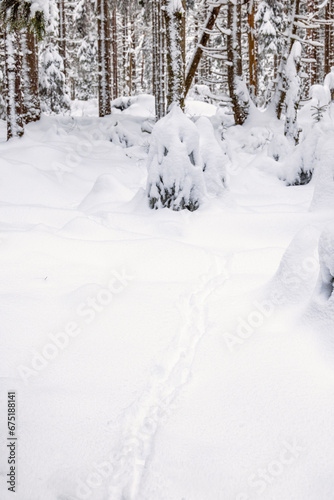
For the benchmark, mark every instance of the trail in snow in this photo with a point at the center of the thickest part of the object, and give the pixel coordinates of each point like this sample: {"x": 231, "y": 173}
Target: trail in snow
{"x": 169, "y": 377}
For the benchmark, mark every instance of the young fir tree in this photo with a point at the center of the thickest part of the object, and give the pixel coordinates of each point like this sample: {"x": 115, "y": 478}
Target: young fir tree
{"x": 53, "y": 90}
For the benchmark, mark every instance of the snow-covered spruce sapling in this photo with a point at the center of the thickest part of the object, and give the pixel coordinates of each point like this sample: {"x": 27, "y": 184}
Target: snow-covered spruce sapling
{"x": 175, "y": 175}
{"x": 321, "y": 97}
{"x": 318, "y": 112}
{"x": 53, "y": 90}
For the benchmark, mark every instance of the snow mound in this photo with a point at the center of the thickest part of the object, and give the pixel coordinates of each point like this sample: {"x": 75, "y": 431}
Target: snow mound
{"x": 257, "y": 138}
{"x": 298, "y": 270}
{"x": 323, "y": 197}
{"x": 175, "y": 176}
{"x": 279, "y": 147}
{"x": 106, "y": 190}
{"x": 214, "y": 160}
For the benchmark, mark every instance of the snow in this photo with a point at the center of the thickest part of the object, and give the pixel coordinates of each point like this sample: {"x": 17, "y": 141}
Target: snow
{"x": 160, "y": 354}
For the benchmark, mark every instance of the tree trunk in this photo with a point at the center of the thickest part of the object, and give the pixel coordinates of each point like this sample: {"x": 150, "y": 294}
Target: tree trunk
{"x": 62, "y": 33}
{"x": 203, "y": 40}
{"x": 252, "y": 50}
{"x": 125, "y": 52}
{"x": 31, "y": 99}
{"x": 237, "y": 89}
{"x": 133, "y": 68}
{"x": 114, "y": 53}
{"x": 158, "y": 37}
{"x": 175, "y": 43}
{"x": 104, "y": 60}
{"x": 282, "y": 80}
{"x": 15, "y": 126}
{"x": 328, "y": 41}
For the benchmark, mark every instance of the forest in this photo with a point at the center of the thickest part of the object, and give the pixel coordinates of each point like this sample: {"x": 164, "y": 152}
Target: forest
{"x": 167, "y": 249}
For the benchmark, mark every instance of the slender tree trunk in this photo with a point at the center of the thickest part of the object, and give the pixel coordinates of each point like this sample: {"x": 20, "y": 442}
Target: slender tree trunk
{"x": 31, "y": 99}
{"x": 293, "y": 11}
{"x": 203, "y": 40}
{"x": 311, "y": 50}
{"x": 15, "y": 125}
{"x": 158, "y": 38}
{"x": 174, "y": 19}
{"x": 133, "y": 68}
{"x": 125, "y": 52}
{"x": 114, "y": 53}
{"x": 328, "y": 38}
{"x": 252, "y": 50}
{"x": 237, "y": 89}
{"x": 104, "y": 59}
{"x": 62, "y": 33}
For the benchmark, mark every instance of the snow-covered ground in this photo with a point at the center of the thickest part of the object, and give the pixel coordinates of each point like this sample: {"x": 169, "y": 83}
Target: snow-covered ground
{"x": 162, "y": 355}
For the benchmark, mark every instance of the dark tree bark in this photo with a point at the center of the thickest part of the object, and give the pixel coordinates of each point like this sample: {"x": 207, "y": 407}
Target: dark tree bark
{"x": 159, "y": 66}
{"x": 104, "y": 59}
{"x": 31, "y": 100}
{"x": 114, "y": 53}
{"x": 237, "y": 90}
{"x": 252, "y": 50}
{"x": 203, "y": 41}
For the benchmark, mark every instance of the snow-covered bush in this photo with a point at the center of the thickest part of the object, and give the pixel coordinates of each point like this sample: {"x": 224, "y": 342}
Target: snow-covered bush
{"x": 300, "y": 162}
{"x": 175, "y": 175}
{"x": 214, "y": 160}
{"x": 200, "y": 93}
{"x": 53, "y": 90}
{"x": 329, "y": 82}
{"x": 279, "y": 147}
{"x": 326, "y": 260}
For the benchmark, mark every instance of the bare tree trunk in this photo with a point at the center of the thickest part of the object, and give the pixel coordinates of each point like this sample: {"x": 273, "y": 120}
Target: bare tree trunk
{"x": 203, "y": 40}
{"x": 15, "y": 126}
{"x": 328, "y": 41}
{"x": 282, "y": 89}
{"x": 62, "y": 33}
{"x": 114, "y": 53}
{"x": 174, "y": 19}
{"x": 104, "y": 59}
{"x": 158, "y": 37}
{"x": 133, "y": 68}
{"x": 311, "y": 51}
{"x": 252, "y": 50}
{"x": 31, "y": 99}
{"x": 125, "y": 51}
{"x": 237, "y": 89}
